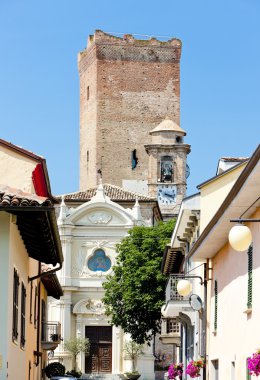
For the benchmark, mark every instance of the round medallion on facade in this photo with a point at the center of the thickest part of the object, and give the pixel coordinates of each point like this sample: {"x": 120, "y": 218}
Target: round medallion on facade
{"x": 99, "y": 261}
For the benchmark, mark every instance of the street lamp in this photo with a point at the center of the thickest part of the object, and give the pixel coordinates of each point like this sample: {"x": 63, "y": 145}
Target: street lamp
{"x": 184, "y": 287}
{"x": 240, "y": 236}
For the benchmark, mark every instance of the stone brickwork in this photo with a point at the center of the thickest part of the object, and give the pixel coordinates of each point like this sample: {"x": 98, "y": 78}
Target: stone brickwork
{"x": 127, "y": 87}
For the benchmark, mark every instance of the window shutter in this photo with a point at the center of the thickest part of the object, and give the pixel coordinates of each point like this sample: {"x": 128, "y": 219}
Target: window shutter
{"x": 216, "y": 305}
{"x": 250, "y": 277}
{"x": 23, "y": 308}
{"x": 15, "y": 304}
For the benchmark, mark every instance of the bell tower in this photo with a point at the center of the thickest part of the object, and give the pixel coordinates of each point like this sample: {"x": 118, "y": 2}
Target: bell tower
{"x": 168, "y": 169}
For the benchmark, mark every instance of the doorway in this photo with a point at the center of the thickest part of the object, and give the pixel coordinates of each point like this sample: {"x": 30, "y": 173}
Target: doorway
{"x": 99, "y": 359}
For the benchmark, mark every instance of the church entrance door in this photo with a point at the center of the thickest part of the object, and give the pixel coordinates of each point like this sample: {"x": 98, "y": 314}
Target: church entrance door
{"x": 99, "y": 359}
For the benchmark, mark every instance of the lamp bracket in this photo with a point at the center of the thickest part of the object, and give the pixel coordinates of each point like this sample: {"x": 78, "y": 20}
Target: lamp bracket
{"x": 184, "y": 277}
{"x": 244, "y": 220}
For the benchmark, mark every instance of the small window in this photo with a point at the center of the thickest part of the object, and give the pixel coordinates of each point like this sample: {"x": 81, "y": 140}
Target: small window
{"x": 134, "y": 159}
{"x": 216, "y": 305}
{"x": 249, "y": 276}
{"x": 44, "y": 337}
{"x": 178, "y": 139}
{"x": 35, "y": 306}
{"x": 23, "y": 308}
{"x": 15, "y": 304}
{"x": 31, "y": 302}
{"x": 233, "y": 371}
{"x": 215, "y": 370}
{"x": 88, "y": 93}
{"x": 87, "y": 156}
{"x": 29, "y": 370}
{"x": 172, "y": 326}
{"x": 248, "y": 376}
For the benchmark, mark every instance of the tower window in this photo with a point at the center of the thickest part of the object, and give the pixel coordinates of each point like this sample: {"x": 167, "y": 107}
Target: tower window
{"x": 87, "y": 155}
{"x": 88, "y": 93}
{"x": 178, "y": 139}
{"x": 134, "y": 159}
{"x": 166, "y": 168}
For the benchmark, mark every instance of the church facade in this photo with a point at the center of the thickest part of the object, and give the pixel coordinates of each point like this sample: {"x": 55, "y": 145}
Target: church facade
{"x": 90, "y": 228}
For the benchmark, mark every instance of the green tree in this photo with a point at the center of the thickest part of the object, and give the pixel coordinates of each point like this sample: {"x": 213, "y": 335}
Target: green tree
{"x": 135, "y": 292}
{"x": 75, "y": 346}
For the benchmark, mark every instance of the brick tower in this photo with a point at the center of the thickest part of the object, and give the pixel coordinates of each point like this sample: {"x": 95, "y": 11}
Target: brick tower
{"x": 127, "y": 87}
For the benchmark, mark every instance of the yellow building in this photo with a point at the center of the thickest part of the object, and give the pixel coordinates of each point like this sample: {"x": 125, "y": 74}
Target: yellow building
{"x": 28, "y": 238}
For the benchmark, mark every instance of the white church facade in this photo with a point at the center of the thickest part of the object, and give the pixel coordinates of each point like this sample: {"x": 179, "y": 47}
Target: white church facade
{"x": 90, "y": 228}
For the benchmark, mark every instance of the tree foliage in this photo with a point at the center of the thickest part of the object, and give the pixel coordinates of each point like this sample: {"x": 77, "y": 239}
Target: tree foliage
{"x": 135, "y": 292}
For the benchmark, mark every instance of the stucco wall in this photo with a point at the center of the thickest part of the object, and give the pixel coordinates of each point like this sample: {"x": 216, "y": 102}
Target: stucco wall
{"x": 214, "y": 193}
{"x": 16, "y": 170}
{"x": 18, "y": 258}
{"x": 238, "y": 330}
{"x": 4, "y": 282}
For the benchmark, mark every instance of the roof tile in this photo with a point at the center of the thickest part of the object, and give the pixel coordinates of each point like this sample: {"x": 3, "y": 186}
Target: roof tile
{"x": 115, "y": 193}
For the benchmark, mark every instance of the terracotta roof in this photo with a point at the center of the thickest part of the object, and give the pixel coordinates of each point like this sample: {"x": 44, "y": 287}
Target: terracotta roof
{"x": 10, "y": 197}
{"x": 115, "y": 193}
{"x": 51, "y": 282}
{"x": 36, "y": 222}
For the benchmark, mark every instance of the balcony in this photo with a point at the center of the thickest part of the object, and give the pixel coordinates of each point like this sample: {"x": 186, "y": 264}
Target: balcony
{"x": 175, "y": 304}
{"x": 170, "y": 331}
{"x": 51, "y": 337}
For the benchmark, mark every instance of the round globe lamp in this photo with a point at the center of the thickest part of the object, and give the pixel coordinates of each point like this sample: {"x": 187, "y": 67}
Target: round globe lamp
{"x": 240, "y": 237}
{"x": 184, "y": 288}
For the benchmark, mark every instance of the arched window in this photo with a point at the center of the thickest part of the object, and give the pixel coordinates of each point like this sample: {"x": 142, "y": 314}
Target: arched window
{"x": 166, "y": 169}
{"x": 99, "y": 261}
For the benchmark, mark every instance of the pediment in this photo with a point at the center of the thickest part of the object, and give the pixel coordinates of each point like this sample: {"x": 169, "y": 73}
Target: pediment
{"x": 100, "y": 215}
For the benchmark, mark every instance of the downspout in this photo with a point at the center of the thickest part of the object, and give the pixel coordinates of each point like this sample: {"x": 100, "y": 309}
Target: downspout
{"x": 39, "y": 318}
{"x": 204, "y": 325}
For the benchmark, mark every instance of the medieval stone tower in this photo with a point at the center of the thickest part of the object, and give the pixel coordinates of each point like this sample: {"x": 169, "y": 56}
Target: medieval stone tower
{"x": 127, "y": 88}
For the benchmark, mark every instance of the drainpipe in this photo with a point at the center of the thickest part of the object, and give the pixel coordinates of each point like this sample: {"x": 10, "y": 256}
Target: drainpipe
{"x": 37, "y": 352}
{"x": 204, "y": 324}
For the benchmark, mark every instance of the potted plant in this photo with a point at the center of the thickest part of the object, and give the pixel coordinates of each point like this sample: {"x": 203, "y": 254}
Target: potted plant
{"x": 54, "y": 369}
{"x": 75, "y": 346}
{"x": 194, "y": 367}
{"x": 175, "y": 369}
{"x": 132, "y": 350}
{"x": 253, "y": 363}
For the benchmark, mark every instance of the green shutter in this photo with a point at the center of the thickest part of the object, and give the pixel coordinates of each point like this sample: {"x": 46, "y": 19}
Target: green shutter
{"x": 248, "y": 376}
{"x": 250, "y": 277}
{"x": 216, "y": 306}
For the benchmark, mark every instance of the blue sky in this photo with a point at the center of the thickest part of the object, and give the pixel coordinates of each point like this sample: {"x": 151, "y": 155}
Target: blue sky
{"x": 220, "y": 75}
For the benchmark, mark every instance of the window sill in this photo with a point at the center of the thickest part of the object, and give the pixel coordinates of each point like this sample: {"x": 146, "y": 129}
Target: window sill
{"x": 248, "y": 311}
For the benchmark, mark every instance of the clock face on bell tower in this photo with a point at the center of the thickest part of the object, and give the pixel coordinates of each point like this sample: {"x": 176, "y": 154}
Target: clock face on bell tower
{"x": 167, "y": 194}
{"x": 168, "y": 169}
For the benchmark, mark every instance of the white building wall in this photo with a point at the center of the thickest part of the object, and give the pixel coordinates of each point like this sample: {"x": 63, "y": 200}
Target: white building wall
{"x": 98, "y": 224}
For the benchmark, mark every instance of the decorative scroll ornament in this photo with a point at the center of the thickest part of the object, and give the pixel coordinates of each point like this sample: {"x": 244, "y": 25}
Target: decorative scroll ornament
{"x": 100, "y": 218}
{"x": 94, "y": 307}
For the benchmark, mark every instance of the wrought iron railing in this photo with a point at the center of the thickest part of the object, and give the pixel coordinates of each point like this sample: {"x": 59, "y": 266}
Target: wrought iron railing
{"x": 51, "y": 332}
{"x": 171, "y": 290}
